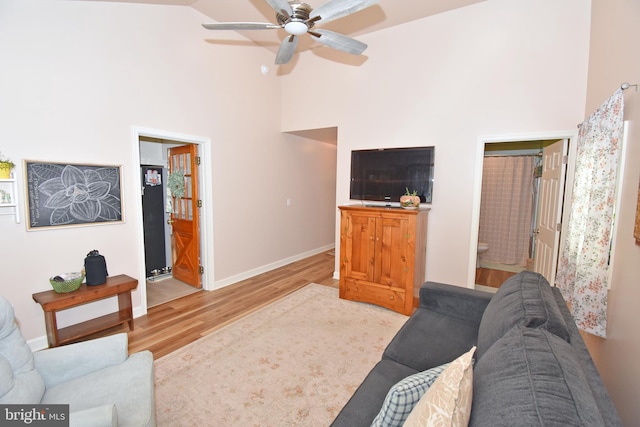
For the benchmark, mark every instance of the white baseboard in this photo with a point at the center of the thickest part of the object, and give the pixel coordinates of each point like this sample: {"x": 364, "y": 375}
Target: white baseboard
{"x": 39, "y": 343}
{"x": 266, "y": 268}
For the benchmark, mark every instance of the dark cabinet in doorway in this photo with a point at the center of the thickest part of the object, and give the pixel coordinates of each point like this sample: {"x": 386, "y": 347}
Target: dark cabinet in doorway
{"x": 153, "y": 189}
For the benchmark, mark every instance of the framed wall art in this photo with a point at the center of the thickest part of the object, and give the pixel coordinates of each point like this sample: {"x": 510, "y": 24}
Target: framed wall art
{"x": 70, "y": 195}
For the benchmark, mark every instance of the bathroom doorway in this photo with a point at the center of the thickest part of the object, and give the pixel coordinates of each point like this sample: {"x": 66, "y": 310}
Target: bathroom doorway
{"x": 519, "y": 210}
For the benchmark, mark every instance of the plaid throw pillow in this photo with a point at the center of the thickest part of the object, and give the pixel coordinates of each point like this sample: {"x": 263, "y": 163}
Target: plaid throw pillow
{"x": 404, "y": 395}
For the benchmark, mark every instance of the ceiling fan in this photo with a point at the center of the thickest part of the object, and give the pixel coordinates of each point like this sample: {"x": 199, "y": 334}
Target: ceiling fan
{"x": 297, "y": 18}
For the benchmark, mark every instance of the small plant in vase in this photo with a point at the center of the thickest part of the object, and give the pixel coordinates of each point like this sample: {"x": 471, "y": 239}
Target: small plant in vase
{"x": 6, "y": 166}
{"x": 410, "y": 200}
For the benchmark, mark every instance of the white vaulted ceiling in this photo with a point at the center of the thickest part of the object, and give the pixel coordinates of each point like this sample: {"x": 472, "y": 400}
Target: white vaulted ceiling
{"x": 384, "y": 14}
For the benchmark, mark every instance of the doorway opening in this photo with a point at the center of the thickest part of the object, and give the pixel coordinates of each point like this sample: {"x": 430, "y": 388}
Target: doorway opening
{"x": 520, "y": 190}
{"x": 175, "y": 245}
{"x": 170, "y": 219}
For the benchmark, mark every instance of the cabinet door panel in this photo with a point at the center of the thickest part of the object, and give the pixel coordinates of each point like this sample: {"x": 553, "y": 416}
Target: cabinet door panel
{"x": 392, "y": 240}
{"x": 359, "y": 253}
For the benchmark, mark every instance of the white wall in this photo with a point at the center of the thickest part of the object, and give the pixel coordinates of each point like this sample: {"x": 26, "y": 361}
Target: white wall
{"x": 497, "y": 67}
{"x": 613, "y": 60}
{"x": 78, "y": 77}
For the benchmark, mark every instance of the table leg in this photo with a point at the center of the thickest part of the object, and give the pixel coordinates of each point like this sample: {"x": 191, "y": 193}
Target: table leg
{"x": 125, "y": 306}
{"x": 51, "y": 324}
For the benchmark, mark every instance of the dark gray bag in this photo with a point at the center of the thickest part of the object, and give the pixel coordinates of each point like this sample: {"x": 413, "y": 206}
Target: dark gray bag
{"x": 95, "y": 267}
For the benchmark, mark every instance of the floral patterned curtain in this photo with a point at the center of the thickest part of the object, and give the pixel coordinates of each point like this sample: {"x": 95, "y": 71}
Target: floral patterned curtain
{"x": 583, "y": 268}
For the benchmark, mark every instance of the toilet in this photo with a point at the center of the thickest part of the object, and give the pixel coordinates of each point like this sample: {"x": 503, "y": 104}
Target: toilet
{"x": 482, "y": 248}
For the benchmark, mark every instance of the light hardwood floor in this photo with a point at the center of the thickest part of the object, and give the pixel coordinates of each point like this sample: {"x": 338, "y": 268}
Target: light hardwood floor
{"x": 172, "y": 325}
{"x": 492, "y": 278}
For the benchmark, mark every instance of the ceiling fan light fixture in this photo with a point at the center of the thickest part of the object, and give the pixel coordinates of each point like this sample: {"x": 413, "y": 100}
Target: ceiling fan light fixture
{"x": 298, "y": 18}
{"x": 296, "y": 28}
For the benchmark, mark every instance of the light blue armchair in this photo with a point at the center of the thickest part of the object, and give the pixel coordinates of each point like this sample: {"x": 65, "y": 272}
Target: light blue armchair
{"x": 100, "y": 382}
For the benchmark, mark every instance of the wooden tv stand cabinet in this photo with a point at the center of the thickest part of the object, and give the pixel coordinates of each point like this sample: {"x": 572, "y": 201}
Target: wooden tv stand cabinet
{"x": 52, "y": 302}
{"x": 382, "y": 255}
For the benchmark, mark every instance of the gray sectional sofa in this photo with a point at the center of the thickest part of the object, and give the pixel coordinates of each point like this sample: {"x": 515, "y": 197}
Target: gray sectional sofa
{"x": 532, "y": 367}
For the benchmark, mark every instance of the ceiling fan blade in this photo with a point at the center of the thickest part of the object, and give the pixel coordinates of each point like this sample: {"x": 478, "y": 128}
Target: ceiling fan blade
{"x": 286, "y": 50}
{"x": 339, "y": 41}
{"x": 335, "y": 9}
{"x": 280, "y": 5}
{"x": 241, "y": 26}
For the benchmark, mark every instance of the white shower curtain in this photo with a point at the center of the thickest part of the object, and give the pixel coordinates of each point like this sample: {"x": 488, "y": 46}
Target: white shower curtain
{"x": 505, "y": 208}
{"x": 583, "y": 267}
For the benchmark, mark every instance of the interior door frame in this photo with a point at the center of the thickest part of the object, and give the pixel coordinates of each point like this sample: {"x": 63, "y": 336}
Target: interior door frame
{"x": 206, "y": 195}
{"x": 570, "y": 135}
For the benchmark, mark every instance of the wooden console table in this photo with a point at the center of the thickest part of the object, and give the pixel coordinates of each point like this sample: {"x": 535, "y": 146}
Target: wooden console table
{"x": 52, "y": 302}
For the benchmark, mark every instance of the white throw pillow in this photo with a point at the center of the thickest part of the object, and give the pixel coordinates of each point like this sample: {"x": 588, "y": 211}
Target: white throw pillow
{"x": 404, "y": 395}
{"x": 448, "y": 401}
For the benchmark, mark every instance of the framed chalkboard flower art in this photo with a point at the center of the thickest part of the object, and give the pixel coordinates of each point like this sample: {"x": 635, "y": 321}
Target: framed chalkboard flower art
{"x": 64, "y": 194}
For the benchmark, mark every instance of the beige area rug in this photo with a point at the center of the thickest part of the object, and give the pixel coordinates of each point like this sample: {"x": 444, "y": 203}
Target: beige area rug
{"x": 295, "y": 362}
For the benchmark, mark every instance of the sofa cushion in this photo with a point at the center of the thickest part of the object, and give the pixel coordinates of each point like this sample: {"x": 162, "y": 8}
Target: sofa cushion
{"x": 430, "y": 339}
{"x": 530, "y": 377}
{"x": 128, "y": 386}
{"x": 448, "y": 401}
{"x": 102, "y": 416}
{"x": 364, "y": 405}
{"x": 524, "y": 299}
{"x": 600, "y": 393}
{"x": 21, "y": 383}
{"x": 404, "y": 395}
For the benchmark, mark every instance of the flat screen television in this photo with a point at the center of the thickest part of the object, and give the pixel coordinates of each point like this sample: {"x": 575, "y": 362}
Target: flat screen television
{"x": 385, "y": 174}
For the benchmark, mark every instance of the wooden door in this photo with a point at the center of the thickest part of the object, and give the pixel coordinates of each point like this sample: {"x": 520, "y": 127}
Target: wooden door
{"x": 185, "y": 238}
{"x": 392, "y": 244}
{"x": 547, "y": 231}
{"x": 359, "y": 245}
